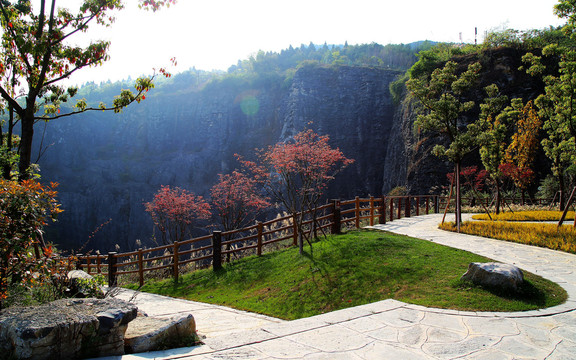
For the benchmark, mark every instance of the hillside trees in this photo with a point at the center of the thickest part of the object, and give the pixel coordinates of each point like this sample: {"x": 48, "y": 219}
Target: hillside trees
{"x": 442, "y": 105}
{"x": 297, "y": 172}
{"x": 557, "y": 106}
{"x": 37, "y": 53}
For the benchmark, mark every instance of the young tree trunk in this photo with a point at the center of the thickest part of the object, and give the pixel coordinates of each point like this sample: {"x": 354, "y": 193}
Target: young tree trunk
{"x": 498, "y": 200}
{"x": 458, "y": 196}
{"x": 561, "y": 195}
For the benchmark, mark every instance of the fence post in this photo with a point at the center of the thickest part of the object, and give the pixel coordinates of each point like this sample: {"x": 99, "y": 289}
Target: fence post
{"x": 217, "y": 250}
{"x": 78, "y": 262}
{"x": 98, "y": 263}
{"x": 382, "y": 211}
{"x": 141, "y": 266}
{"x": 357, "y": 211}
{"x": 399, "y": 208}
{"x": 259, "y": 240}
{"x": 112, "y": 260}
{"x": 436, "y": 204}
{"x": 427, "y": 205}
{"x": 407, "y": 207}
{"x": 295, "y": 230}
{"x": 371, "y": 210}
{"x": 336, "y": 217}
{"x": 417, "y": 205}
{"x": 391, "y": 209}
{"x": 176, "y": 261}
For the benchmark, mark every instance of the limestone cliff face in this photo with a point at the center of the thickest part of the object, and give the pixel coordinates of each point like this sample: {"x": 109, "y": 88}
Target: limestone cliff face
{"x": 109, "y": 165}
{"x": 353, "y": 106}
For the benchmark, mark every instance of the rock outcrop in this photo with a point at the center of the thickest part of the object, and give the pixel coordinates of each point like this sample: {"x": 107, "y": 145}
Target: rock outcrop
{"x": 65, "y": 329}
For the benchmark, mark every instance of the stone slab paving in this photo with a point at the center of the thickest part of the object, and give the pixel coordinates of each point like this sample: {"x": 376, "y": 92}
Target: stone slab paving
{"x": 391, "y": 329}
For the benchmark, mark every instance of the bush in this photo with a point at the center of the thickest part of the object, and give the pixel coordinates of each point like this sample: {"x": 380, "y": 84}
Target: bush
{"x": 25, "y": 208}
{"x": 398, "y": 191}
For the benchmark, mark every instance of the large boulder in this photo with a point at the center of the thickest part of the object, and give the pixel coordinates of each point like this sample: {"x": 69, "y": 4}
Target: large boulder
{"x": 495, "y": 275}
{"x": 149, "y": 334}
{"x": 65, "y": 329}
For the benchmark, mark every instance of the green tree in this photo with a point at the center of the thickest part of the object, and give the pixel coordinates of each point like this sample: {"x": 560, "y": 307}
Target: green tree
{"x": 442, "y": 97}
{"x": 492, "y": 137}
{"x": 38, "y": 52}
{"x": 557, "y": 106}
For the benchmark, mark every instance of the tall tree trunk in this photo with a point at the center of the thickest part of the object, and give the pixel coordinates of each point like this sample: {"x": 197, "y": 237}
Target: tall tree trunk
{"x": 561, "y": 197}
{"x": 26, "y": 145}
{"x": 498, "y": 200}
{"x": 458, "y": 197}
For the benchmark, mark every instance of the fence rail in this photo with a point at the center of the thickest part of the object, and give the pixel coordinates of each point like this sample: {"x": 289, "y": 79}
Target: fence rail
{"x": 212, "y": 250}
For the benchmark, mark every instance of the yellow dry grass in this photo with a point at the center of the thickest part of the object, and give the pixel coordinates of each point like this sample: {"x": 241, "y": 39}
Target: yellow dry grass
{"x": 543, "y": 235}
{"x": 540, "y": 215}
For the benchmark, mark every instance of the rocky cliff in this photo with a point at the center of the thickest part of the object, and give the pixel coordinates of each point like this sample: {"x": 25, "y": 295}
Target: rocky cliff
{"x": 109, "y": 165}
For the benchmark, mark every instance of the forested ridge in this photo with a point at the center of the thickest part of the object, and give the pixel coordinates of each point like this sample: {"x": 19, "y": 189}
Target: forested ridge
{"x": 189, "y": 127}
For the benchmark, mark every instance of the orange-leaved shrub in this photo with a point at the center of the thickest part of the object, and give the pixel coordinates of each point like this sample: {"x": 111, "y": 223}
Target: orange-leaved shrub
{"x": 25, "y": 208}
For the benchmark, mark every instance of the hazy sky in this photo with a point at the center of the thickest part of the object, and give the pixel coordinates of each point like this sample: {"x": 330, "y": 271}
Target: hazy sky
{"x": 215, "y": 34}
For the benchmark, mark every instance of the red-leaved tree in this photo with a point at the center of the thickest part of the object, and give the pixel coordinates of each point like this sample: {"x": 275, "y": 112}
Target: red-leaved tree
{"x": 174, "y": 211}
{"x": 236, "y": 200}
{"x": 296, "y": 173}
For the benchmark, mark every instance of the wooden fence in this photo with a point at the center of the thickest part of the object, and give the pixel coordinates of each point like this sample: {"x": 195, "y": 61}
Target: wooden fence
{"x": 213, "y": 249}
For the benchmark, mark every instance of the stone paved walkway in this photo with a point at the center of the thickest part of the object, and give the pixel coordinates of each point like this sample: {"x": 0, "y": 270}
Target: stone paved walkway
{"x": 391, "y": 329}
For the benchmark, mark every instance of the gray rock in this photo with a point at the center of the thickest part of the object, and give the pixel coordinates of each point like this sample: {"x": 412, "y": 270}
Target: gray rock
{"x": 65, "y": 329}
{"x": 80, "y": 290}
{"x": 498, "y": 275}
{"x": 149, "y": 334}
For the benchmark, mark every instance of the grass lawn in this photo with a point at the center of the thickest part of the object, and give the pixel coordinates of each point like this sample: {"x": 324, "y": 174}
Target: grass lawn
{"x": 347, "y": 270}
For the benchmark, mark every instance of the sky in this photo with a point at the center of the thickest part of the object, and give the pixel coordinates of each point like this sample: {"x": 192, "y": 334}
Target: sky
{"x": 215, "y": 34}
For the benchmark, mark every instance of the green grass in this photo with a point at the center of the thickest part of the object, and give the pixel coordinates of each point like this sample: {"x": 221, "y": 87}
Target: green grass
{"x": 542, "y": 215}
{"x": 356, "y": 268}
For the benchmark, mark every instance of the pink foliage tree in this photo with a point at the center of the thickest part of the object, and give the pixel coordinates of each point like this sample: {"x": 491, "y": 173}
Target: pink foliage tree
{"x": 296, "y": 173}
{"x": 174, "y": 211}
{"x": 236, "y": 200}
